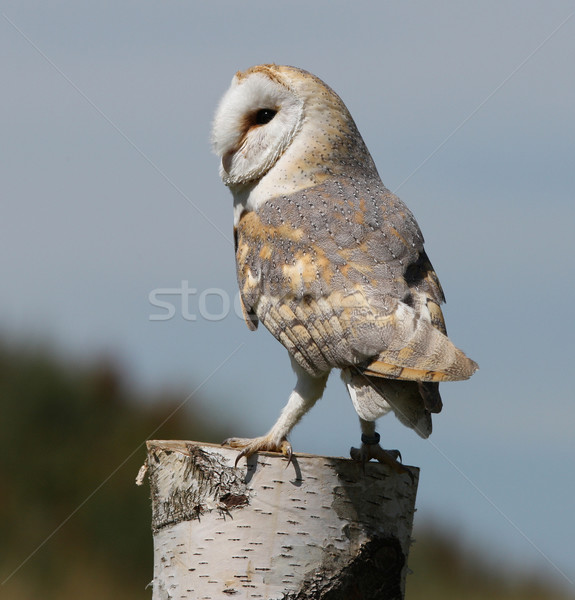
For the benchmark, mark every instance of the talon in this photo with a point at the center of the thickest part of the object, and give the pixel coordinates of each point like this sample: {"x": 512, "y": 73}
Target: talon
{"x": 288, "y": 453}
{"x": 388, "y": 457}
{"x": 355, "y": 454}
{"x": 260, "y": 444}
{"x": 240, "y": 454}
{"x": 396, "y": 454}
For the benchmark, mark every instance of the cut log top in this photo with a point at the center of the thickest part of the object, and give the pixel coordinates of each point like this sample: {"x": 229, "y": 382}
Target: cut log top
{"x": 320, "y": 527}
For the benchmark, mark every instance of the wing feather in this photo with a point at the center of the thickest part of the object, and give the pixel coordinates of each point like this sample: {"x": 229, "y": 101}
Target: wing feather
{"x": 339, "y": 275}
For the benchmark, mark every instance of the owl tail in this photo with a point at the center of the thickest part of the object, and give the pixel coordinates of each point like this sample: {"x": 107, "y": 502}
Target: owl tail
{"x": 417, "y": 351}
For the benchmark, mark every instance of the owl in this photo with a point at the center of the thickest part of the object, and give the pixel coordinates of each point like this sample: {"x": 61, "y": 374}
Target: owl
{"x": 329, "y": 260}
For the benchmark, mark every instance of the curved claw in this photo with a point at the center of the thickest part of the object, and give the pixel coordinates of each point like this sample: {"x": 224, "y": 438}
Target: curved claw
{"x": 396, "y": 454}
{"x": 260, "y": 444}
{"x": 288, "y": 453}
{"x": 240, "y": 454}
{"x": 387, "y": 457}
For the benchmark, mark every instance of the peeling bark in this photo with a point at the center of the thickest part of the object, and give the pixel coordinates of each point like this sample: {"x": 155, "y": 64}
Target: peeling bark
{"x": 319, "y": 529}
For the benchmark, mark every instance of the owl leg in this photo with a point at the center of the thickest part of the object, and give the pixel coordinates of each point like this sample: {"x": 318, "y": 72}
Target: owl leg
{"x": 370, "y": 448}
{"x": 307, "y": 392}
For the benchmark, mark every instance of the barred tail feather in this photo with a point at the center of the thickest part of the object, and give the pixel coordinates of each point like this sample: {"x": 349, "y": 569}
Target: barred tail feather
{"x": 422, "y": 353}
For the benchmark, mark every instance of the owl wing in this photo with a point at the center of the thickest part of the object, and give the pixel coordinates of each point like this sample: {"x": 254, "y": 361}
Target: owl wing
{"x": 339, "y": 276}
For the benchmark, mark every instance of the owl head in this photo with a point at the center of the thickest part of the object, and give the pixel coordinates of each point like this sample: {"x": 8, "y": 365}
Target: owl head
{"x": 287, "y": 127}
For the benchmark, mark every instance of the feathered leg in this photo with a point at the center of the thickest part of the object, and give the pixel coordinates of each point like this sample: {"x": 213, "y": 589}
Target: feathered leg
{"x": 373, "y": 398}
{"x": 307, "y": 392}
{"x": 370, "y": 448}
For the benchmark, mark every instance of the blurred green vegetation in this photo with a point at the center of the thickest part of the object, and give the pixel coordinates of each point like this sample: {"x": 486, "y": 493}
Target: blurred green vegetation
{"x": 72, "y": 439}
{"x": 74, "y": 525}
{"x": 444, "y": 568}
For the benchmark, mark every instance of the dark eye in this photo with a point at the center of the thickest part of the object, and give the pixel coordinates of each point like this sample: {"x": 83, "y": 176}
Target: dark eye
{"x": 265, "y": 115}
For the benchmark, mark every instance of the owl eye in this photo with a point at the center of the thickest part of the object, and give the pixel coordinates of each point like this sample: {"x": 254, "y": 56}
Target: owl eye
{"x": 265, "y": 115}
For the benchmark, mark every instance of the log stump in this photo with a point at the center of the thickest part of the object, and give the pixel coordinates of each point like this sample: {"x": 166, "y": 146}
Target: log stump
{"x": 320, "y": 527}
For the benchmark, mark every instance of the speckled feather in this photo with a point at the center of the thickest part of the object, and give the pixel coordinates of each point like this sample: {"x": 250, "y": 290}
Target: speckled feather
{"x": 338, "y": 274}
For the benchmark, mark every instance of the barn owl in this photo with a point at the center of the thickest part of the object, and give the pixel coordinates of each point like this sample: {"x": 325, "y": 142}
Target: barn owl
{"x": 329, "y": 260}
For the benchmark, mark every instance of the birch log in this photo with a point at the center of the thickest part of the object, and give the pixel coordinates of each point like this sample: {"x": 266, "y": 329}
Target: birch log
{"x": 319, "y": 528}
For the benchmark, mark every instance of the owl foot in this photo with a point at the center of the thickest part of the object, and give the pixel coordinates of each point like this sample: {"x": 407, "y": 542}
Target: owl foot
{"x": 259, "y": 444}
{"x": 390, "y": 458}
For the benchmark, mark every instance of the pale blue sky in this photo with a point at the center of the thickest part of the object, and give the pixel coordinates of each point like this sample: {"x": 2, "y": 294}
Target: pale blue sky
{"x": 109, "y": 191}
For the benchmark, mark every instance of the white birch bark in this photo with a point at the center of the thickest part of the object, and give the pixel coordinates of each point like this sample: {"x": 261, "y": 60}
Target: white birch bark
{"x": 321, "y": 528}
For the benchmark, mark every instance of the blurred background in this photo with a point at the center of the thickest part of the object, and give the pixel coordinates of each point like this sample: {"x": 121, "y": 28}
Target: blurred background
{"x": 117, "y": 304}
